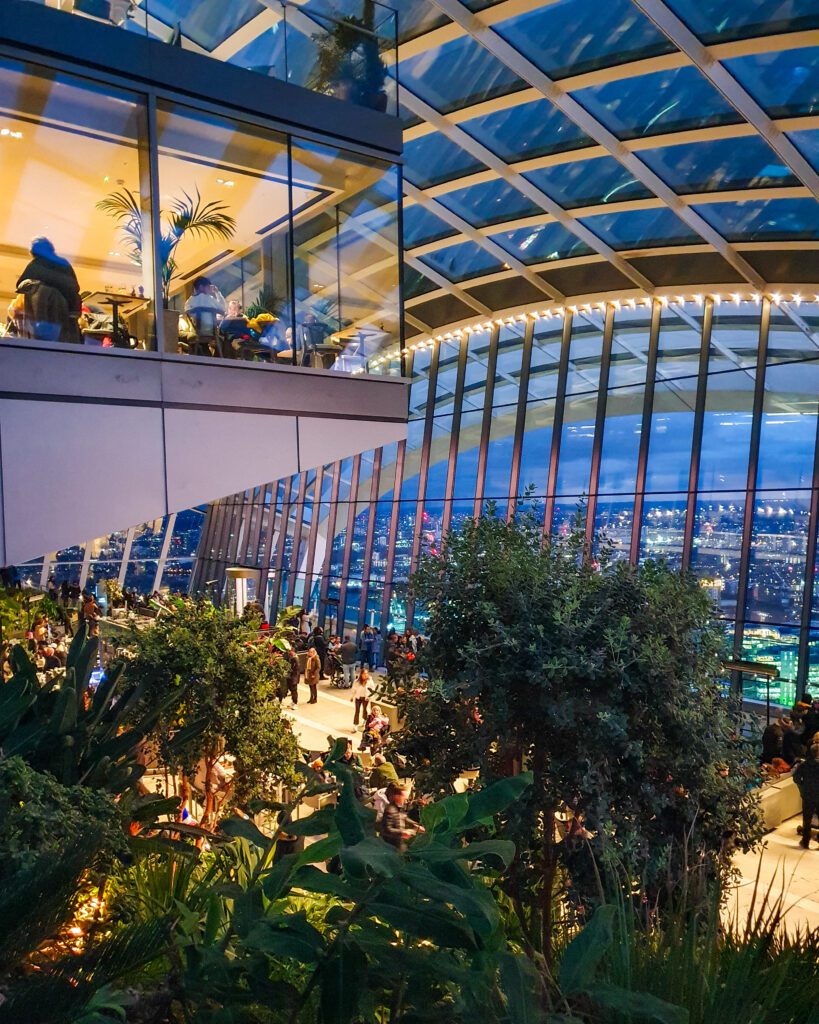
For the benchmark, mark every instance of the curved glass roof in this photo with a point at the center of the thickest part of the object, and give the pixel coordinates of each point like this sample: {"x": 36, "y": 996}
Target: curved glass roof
{"x": 609, "y": 148}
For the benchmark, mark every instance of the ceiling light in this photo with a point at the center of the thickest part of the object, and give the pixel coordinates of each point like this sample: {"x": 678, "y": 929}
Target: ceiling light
{"x": 227, "y": 182}
{"x": 8, "y": 133}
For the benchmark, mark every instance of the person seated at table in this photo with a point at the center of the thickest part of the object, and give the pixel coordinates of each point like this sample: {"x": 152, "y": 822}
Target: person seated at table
{"x": 51, "y": 296}
{"x": 376, "y": 730}
{"x": 205, "y": 307}
{"x": 234, "y": 326}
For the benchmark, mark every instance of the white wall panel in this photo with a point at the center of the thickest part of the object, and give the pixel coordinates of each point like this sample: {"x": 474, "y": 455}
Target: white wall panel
{"x": 212, "y": 454}
{"x": 73, "y": 472}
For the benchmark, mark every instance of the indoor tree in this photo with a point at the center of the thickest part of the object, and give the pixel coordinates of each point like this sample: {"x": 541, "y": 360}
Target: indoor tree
{"x": 600, "y": 678}
{"x": 203, "y": 665}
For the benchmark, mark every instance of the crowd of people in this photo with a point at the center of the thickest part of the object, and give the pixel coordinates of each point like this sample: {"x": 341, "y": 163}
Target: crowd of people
{"x": 791, "y": 743}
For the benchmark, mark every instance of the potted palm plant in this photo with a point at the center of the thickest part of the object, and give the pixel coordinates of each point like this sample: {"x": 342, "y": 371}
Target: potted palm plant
{"x": 188, "y": 215}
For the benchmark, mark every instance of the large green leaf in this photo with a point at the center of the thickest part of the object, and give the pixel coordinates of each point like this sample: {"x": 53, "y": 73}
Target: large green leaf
{"x": 635, "y": 1006}
{"x": 290, "y": 936}
{"x": 521, "y": 985}
{"x": 16, "y": 697}
{"x": 477, "y": 904}
{"x": 320, "y": 823}
{"x": 584, "y": 953}
{"x": 236, "y": 827}
{"x": 502, "y": 850}
{"x": 441, "y": 926}
{"x": 371, "y": 857}
{"x": 343, "y": 978}
{"x": 486, "y": 803}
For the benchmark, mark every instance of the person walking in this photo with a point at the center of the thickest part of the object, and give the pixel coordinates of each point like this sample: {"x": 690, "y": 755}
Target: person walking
{"x": 349, "y": 657}
{"x": 293, "y": 676}
{"x": 312, "y": 674}
{"x": 806, "y": 778}
{"x": 360, "y": 696}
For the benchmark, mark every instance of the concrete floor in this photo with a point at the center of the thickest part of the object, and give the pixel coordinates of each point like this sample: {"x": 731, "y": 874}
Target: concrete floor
{"x": 331, "y": 717}
{"x": 783, "y": 869}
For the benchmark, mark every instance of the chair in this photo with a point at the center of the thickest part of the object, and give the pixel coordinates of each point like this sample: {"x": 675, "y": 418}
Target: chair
{"x": 207, "y": 338}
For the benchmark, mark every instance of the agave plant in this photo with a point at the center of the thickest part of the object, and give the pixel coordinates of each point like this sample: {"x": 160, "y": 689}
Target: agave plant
{"x": 188, "y": 215}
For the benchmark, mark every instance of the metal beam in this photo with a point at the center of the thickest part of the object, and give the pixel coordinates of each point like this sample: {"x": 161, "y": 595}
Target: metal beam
{"x": 452, "y": 131}
{"x": 485, "y": 243}
{"x": 447, "y": 285}
{"x": 703, "y": 57}
{"x": 529, "y": 72}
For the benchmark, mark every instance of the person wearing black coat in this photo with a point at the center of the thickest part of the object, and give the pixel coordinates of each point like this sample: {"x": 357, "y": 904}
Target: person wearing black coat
{"x": 806, "y": 778}
{"x": 55, "y": 272}
{"x": 318, "y": 641}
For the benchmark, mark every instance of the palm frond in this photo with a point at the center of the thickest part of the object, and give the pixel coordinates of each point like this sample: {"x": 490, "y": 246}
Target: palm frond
{"x": 208, "y": 220}
{"x": 124, "y": 208}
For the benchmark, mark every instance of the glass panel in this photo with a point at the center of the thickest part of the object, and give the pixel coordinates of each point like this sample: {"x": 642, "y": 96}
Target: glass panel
{"x": 612, "y": 525}
{"x": 621, "y": 441}
{"x": 499, "y": 455}
{"x": 785, "y": 83}
{"x": 177, "y": 575}
{"x": 457, "y": 74}
{"x": 664, "y": 101}
{"x": 793, "y": 337}
{"x": 434, "y": 159}
{"x": 76, "y": 263}
{"x": 543, "y": 243}
{"x": 141, "y": 576}
{"x": 571, "y": 37}
{"x": 438, "y": 458}
{"x": 762, "y": 220}
{"x": 447, "y": 376}
{"x": 187, "y": 532}
{"x": 771, "y": 645}
{"x": 207, "y": 22}
{"x": 422, "y": 225}
{"x": 576, "y": 443}
{"x": 776, "y": 571}
{"x": 462, "y": 261}
{"x": 466, "y": 466}
{"x": 715, "y": 21}
{"x": 412, "y": 460}
{"x": 415, "y": 284}
{"x": 734, "y": 337}
{"x": 403, "y": 542}
{"x": 717, "y": 542}
{"x": 569, "y": 513}
{"x": 678, "y": 347}
{"x": 346, "y": 264}
{"x": 527, "y": 130}
{"x": 419, "y": 388}
{"x": 672, "y": 427}
{"x": 588, "y": 182}
{"x": 148, "y": 539}
{"x": 788, "y": 428}
{"x": 808, "y": 143}
{"x": 629, "y": 347}
{"x": 536, "y": 448}
{"x": 726, "y": 431}
{"x": 508, "y": 365}
{"x": 545, "y": 363}
{"x": 490, "y": 202}
{"x": 641, "y": 229}
{"x": 585, "y": 353}
{"x": 663, "y": 528}
{"x": 234, "y": 178}
{"x": 719, "y": 165}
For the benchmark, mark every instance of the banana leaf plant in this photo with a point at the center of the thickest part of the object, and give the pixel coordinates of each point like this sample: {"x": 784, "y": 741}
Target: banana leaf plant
{"x": 188, "y": 215}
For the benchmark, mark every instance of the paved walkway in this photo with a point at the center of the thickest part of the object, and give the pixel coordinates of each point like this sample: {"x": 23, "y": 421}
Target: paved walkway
{"x": 784, "y": 871}
{"x": 332, "y": 716}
